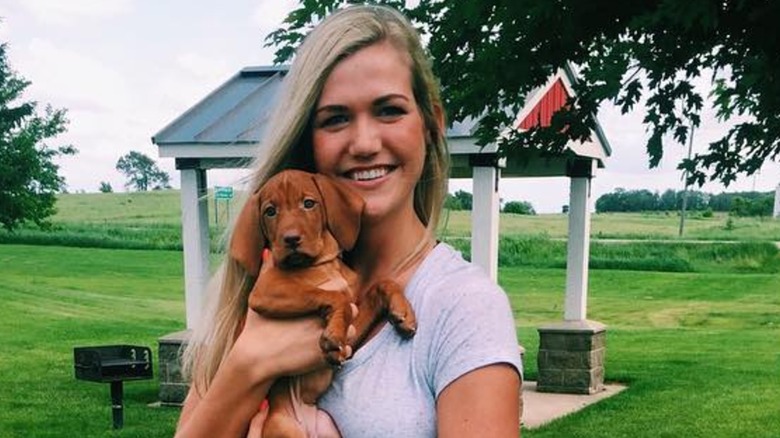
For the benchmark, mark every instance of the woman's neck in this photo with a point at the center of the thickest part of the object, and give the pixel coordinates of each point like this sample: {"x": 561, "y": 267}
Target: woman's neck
{"x": 386, "y": 248}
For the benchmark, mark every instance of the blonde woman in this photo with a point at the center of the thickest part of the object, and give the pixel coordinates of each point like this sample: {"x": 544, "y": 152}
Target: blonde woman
{"x": 362, "y": 106}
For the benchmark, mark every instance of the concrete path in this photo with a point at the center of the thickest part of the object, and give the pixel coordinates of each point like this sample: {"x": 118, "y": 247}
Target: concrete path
{"x": 541, "y": 407}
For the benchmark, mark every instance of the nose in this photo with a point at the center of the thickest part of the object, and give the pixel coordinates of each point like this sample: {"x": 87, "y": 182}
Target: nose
{"x": 292, "y": 240}
{"x": 366, "y": 140}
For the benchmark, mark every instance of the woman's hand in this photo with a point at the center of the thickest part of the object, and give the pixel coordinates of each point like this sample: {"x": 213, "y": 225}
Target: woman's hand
{"x": 272, "y": 348}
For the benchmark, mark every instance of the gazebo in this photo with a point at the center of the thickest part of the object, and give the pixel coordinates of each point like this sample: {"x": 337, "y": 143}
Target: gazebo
{"x": 225, "y": 128}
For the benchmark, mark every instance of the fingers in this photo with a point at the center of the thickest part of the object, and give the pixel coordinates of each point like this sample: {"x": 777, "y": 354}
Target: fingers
{"x": 354, "y": 308}
{"x": 268, "y": 261}
{"x": 351, "y": 330}
{"x": 256, "y": 425}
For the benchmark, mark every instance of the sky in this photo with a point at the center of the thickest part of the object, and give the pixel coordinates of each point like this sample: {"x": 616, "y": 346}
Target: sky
{"x": 124, "y": 69}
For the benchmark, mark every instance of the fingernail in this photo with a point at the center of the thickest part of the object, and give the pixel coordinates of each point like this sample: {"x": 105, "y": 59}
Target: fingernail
{"x": 264, "y": 405}
{"x": 266, "y": 252}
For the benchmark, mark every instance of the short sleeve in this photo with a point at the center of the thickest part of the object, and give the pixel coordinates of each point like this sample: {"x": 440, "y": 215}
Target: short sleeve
{"x": 476, "y": 328}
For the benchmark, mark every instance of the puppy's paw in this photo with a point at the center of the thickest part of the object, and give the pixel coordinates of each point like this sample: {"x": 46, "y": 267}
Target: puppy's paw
{"x": 335, "y": 348}
{"x": 401, "y": 315}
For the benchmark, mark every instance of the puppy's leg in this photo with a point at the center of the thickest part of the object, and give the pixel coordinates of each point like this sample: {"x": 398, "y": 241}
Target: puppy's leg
{"x": 399, "y": 310}
{"x": 290, "y": 300}
{"x": 385, "y": 299}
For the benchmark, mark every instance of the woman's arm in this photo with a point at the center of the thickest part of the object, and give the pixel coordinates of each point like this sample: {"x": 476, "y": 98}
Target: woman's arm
{"x": 483, "y": 402}
{"x": 265, "y": 350}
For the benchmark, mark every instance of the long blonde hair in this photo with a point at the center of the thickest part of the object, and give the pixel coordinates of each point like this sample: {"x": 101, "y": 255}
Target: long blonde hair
{"x": 289, "y": 144}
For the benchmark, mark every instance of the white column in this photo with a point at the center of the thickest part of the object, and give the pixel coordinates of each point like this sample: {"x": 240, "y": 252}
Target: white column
{"x": 776, "y": 211}
{"x": 195, "y": 237}
{"x": 578, "y": 251}
{"x": 484, "y": 219}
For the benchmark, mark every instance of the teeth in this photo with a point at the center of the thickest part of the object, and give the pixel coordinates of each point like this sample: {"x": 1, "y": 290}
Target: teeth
{"x": 365, "y": 175}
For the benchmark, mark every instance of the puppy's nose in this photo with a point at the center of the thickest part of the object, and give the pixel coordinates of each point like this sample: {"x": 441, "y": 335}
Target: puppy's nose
{"x": 292, "y": 240}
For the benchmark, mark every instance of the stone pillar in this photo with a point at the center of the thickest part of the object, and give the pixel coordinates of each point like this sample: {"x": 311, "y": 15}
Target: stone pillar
{"x": 571, "y": 357}
{"x": 173, "y": 387}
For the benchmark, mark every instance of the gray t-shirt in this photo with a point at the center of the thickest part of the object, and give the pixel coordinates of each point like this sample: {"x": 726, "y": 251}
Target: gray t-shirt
{"x": 389, "y": 388}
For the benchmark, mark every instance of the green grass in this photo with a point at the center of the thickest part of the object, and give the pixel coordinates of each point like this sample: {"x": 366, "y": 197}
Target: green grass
{"x": 698, "y": 351}
{"x": 693, "y": 328}
{"x": 671, "y": 256}
{"x": 58, "y": 298}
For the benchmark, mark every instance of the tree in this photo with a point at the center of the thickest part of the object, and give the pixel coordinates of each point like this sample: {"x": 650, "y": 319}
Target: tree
{"x": 142, "y": 172}
{"x": 452, "y": 203}
{"x": 105, "y": 187}
{"x": 29, "y": 178}
{"x": 519, "y": 207}
{"x": 489, "y": 53}
{"x": 465, "y": 199}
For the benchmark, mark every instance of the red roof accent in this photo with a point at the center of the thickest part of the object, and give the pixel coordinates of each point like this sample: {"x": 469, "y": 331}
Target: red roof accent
{"x": 554, "y": 99}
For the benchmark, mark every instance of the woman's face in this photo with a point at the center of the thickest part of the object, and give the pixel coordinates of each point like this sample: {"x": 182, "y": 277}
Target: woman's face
{"x": 368, "y": 131}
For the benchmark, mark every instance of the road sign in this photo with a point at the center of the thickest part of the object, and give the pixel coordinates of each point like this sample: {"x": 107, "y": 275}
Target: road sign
{"x": 223, "y": 192}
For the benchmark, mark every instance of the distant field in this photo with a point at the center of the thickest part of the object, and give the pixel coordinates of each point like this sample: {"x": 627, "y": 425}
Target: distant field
{"x": 163, "y": 208}
{"x": 152, "y": 220}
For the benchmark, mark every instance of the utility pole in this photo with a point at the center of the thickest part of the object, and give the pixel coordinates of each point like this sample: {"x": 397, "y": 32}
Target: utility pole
{"x": 685, "y": 189}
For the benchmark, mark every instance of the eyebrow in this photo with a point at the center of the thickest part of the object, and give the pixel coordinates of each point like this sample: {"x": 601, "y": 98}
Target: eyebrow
{"x": 335, "y": 108}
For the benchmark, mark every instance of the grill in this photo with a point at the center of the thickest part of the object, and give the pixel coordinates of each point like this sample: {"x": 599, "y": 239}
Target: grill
{"x": 113, "y": 364}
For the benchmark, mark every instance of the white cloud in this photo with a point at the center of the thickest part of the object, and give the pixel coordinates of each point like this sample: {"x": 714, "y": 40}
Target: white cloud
{"x": 73, "y": 79}
{"x": 269, "y": 14}
{"x": 69, "y": 12}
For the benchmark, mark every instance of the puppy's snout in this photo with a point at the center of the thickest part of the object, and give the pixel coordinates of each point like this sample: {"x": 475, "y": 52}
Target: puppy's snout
{"x": 292, "y": 240}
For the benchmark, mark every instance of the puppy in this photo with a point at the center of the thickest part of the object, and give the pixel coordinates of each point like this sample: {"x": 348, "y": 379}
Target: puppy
{"x": 307, "y": 220}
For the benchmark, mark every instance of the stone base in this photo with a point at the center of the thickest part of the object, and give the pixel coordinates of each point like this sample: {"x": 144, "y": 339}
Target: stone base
{"x": 173, "y": 387}
{"x": 571, "y": 357}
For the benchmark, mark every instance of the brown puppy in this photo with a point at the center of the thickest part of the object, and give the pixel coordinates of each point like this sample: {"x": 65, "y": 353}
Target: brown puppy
{"x": 306, "y": 220}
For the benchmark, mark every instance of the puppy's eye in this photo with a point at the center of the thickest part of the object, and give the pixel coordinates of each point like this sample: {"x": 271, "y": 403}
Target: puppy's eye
{"x": 270, "y": 211}
{"x": 309, "y": 203}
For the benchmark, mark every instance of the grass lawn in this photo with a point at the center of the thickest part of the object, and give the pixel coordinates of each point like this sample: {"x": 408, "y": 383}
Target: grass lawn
{"x": 699, "y": 351}
{"x": 57, "y": 298}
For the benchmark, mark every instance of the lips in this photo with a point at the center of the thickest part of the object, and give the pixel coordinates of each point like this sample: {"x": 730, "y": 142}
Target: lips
{"x": 369, "y": 174}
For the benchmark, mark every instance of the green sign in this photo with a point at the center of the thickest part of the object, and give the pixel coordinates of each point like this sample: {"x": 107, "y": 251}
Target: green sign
{"x": 223, "y": 192}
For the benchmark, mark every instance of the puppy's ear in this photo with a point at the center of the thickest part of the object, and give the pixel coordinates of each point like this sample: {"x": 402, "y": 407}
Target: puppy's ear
{"x": 343, "y": 210}
{"x": 247, "y": 241}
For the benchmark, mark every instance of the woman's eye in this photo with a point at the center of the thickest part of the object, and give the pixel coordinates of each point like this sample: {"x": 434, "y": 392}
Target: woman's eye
{"x": 270, "y": 211}
{"x": 309, "y": 203}
{"x": 333, "y": 120}
{"x": 391, "y": 111}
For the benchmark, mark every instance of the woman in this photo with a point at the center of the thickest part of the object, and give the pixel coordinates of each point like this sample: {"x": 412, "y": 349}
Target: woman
{"x": 362, "y": 106}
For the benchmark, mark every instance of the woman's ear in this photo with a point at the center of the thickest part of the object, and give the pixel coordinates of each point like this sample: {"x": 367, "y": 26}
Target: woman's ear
{"x": 438, "y": 114}
{"x": 438, "y": 118}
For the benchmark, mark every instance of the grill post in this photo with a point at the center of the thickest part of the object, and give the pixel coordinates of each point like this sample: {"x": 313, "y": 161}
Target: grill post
{"x": 116, "y": 404}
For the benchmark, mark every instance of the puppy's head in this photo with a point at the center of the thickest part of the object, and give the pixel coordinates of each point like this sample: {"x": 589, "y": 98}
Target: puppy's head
{"x": 298, "y": 215}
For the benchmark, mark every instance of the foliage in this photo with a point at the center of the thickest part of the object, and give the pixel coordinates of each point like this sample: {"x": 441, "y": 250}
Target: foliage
{"x": 752, "y": 207}
{"x": 489, "y": 53}
{"x": 29, "y": 178}
{"x": 452, "y": 203}
{"x": 105, "y": 187}
{"x": 142, "y": 172}
{"x": 622, "y": 200}
{"x": 465, "y": 199}
{"x": 519, "y": 207}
